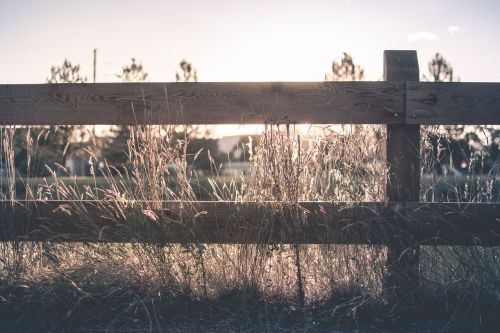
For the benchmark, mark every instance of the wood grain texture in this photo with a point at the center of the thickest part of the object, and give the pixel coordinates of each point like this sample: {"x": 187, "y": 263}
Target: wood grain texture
{"x": 401, "y": 65}
{"x": 403, "y": 182}
{"x": 453, "y": 103}
{"x": 227, "y": 222}
{"x": 201, "y": 103}
{"x": 403, "y": 141}
{"x": 455, "y": 223}
{"x": 251, "y": 103}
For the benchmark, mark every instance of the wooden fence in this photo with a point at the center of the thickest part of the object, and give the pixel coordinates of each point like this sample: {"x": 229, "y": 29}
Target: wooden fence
{"x": 401, "y": 102}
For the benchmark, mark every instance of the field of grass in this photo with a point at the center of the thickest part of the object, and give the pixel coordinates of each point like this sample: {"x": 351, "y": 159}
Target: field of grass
{"x": 288, "y": 287}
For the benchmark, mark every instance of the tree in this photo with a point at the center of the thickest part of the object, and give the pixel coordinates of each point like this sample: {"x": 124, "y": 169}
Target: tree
{"x": 440, "y": 70}
{"x": 187, "y": 72}
{"x": 345, "y": 70}
{"x": 134, "y": 72}
{"x": 67, "y": 73}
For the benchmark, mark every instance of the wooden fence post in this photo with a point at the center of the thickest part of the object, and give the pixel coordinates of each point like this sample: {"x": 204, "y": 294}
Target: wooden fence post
{"x": 403, "y": 183}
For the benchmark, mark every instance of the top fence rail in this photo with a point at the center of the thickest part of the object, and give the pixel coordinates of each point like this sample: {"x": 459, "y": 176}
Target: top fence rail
{"x": 390, "y": 102}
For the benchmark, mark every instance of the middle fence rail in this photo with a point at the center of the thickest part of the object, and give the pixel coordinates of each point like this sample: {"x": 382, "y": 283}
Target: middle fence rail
{"x": 373, "y": 223}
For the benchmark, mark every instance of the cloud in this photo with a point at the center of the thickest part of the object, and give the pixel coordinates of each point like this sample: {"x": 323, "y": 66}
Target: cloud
{"x": 421, "y": 35}
{"x": 453, "y": 29}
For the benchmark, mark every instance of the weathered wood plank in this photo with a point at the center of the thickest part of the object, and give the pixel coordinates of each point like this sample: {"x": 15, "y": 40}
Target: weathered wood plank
{"x": 454, "y": 223}
{"x": 453, "y": 103}
{"x": 207, "y": 222}
{"x": 252, "y": 222}
{"x": 201, "y": 103}
{"x": 252, "y": 103}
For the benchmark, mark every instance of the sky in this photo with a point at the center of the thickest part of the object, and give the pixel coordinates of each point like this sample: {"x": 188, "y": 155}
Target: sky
{"x": 244, "y": 40}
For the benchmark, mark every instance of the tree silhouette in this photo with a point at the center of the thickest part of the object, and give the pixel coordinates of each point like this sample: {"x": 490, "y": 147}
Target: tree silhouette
{"x": 67, "y": 73}
{"x": 187, "y": 72}
{"x": 440, "y": 70}
{"x": 134, "y": 72}
{"x": 345, "y": 70}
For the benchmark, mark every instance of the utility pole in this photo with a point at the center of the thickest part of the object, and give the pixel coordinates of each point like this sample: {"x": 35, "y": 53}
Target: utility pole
{"x": 95, "y": 57}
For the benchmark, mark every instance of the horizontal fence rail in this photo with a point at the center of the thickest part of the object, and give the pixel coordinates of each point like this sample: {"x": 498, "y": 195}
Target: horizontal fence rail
{"x": 452, "y": 103}
{"x": 391, "y": 102}
{"x": 253, "y": 222}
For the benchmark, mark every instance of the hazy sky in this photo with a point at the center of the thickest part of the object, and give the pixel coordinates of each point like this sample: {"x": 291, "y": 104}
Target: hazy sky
{"x": 244, "y": 40}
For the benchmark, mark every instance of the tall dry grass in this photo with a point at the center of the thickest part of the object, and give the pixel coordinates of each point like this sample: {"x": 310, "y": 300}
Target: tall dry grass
{"x": 126, "y": 284}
